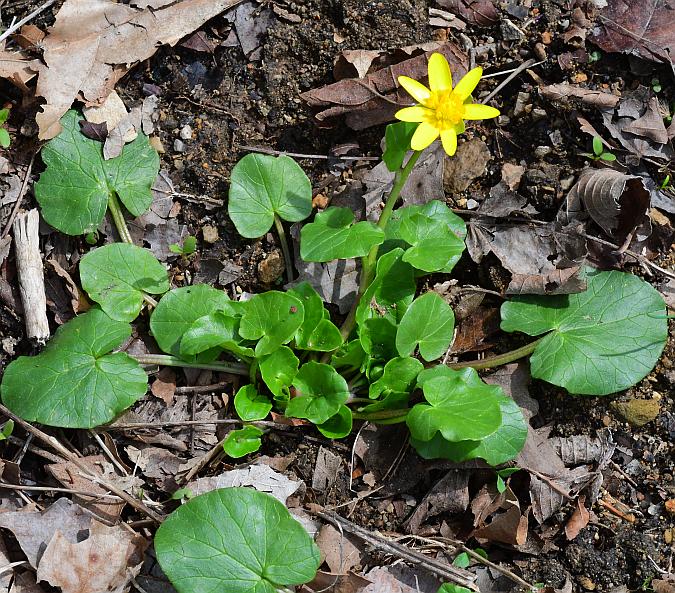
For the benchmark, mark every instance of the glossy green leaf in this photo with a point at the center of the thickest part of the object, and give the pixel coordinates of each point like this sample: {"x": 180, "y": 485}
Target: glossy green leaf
{"x": 320, "y": 393}
{"x": 4, "y": 114}
{"x": 393, "y": 400}
{"x": 74, "y": 189}
{"x": 272, "y": 317}
{"x": 235, "y": 540}
{"x": 428, "y": 323}
{"x": 601, "y": 341}
{"x": 433, "y": 247}
{"x": 460, "y": 407}
{"x": 452, "y": 588}
{"x": 75, "y": 382}
{"x": 262, "y": 186}
{"x": 337, "y": 426}
{"x": 333, "y": 235}
{"x": 317, "y": 331}
{"x": 5, "y": 139}
{"x": 378, "y": 338}
{"x": 180, "y": 308}
{"x": 278, "y": 371}
{"x": 239, "y": 443}
{"x": 117, "y": 276}
{"x": 216, "y": 330}
{"x": 397, "y": 138}
{"x": 349, "y": 356}
{"x": 499, "y": 447}
{"x": 400, "y": 375}
{"x": 251, "y": 405}
{"x": 597, "y": 145}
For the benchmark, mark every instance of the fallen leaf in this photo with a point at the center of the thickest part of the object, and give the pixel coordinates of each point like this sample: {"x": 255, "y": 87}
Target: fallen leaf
{"x": 326, "y": 469}
{"x": 106, "y": 561}
{"x": 666, "y": 585}
{"x": 468, "y": 164}
{"x": 578, "y": 449}
{"x": 338, "y": 550}
{"x": 645, "y": 28}
{"x": 93, "y": 44}
{"x": 389, "y": 579}
{"x": 24, "y": 582}
{"x": 157, "y": 464}
{"x": 251, "y": 23}
{"x": 18, "y": 68}
{"x": 650, "y": 125}
{"x": 97, "y": 132}
{"x": 164, "y": 385}
{"x": 29, "y": 36}
{"x": 199, "y": 42}
{"x": 514, "y": 379}
{"x": 475, "y": 12}
{"x": 336, "y": 583}
{"x": 34, "y": 530}
{"x": 578, "y": 520}
{"x": 599, "y": 99}
{"x": 507, "y": 528}
{"x": 354, "y": 63}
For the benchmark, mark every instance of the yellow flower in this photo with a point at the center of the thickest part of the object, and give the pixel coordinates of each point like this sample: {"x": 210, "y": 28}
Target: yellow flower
{"x": 442, "y": 109}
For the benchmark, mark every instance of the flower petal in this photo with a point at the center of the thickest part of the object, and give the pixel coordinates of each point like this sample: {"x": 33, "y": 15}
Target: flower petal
{"x": 440, "y": 78}
{"x": 449, "y": 140}
{"x": 417, "y": 90}
{"x": 424, "y": 135}
{"x": 412, "y": 114}
{"x": 476, "y": 111}
{"x": 470, "y": 81}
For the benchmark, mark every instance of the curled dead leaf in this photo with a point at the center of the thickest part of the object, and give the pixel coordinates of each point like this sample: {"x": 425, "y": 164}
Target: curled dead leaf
{"x": 578, "y": 520}
{"x": 595, "y": 98}
{"x": 475, "y": 12}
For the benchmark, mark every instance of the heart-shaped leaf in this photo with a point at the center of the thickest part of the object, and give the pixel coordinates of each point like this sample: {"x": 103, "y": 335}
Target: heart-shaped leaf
{"x": 182, "y": 307}
{"x": 117, "y": 276}
{"x": 349, "y": 356}
{"x": 397, "y": 138}
{"x": 320, "y": 393}
{"x": 216, "y": 330}
{"x": 278, "y": 371}
{"x": 400, "y": 375}
{"x": 251, "y": 405}
{"x": 75, "y": 382}
{"x": 378, "y": 338}
{"x": 317, "y": 331}
{"x": 601, "y": 341}
{"x": 461, "y": 407}
{"x": 74, "y": 189}
{"x": 430, "y": 323}
{"x": 262, "y": 186}
{"x": 239, "y": 443}
{"x": 337, "y": 426}
{"x": 333, "y": 235}
{"x": 272, "y": 317}
{"x": 236, "y": 540}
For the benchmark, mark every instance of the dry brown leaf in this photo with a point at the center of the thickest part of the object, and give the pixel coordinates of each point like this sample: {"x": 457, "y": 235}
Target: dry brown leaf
{"x": 600, "y": 99}
{"x": 17, "y": 68}
{"x": 508, "y": 528}
{"x": 338, "y": 550}
{"x": 360, "y": 100}
{"x": 578, "y": 520}
{"x": 164, "y": 385}
{"x": 24, "y": 582}
{"x": 665, "y": 585}
{"x": 645, "y": 28}
{"x": 474, "y": 12}
{"x": 29, "y": 36}
{"x": 106, "y": 561}
{"x": 354, "y": 63}
{"x": 650, "y": 125}
{"x": 93, "y": 43}
{"x": 326, "y": 470}
{"x": 336, "y": 583}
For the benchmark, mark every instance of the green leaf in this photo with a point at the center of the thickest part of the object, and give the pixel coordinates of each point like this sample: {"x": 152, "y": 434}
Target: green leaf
{"x": 251, "y": 405}
{"x": 601, "y": 341}
{"x": 317, "y": 331}
{"x": 320, "y": 393}
{"x": 73, "y": 191}
{"x": 430, "y": 323}
{"x": 273, "y": 317}
{"x": 179, "y": 309}
{"x": 434, "y": 247}
{"x": 391, "y": 291}
{"x": 462, "y": 561}
{"x": 4, "y": 114}
{"x": 451, "y": 588}
{"x": 608, "y": 156}
{"x": 5, "y": 139}
{"x": 460, "y": 407}
{"x": 397, "y": 138}
{"x": 349, "y": 356}
{"x": 236, "y": 540}
{"x": 399, "y": 375}
{"x": 597, "y": 145}
{"x": 393, "y": 400}
{"x": 262, "y": 186}
{"x": 378, "y": 338}
{"x": 239, "y": 443}
{"x": 217, "y": 330}
{"x": 499, "y": 447}
{"x": 278, "y": 371}
{"x": 118, "y": 275}
{"x": 7, "y": 430}
{"x": 75, "y": 382}
{"x": 337, "y": 426}
{"x": 333, "y": 235}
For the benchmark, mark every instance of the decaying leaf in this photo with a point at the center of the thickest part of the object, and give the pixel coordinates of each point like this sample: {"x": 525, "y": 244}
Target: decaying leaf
{"x": 578, "y": 449}
{"x": 644, "y": 28}
{"x": 17, "y": 67}
{"x": 595, "y": 98}
{"x": 616, "y": 202}
{"x": 507, "y": 528}
{"x": 106, "y": 561}
{"x": 93, "y": 44}
{"x": 474, "y": 12}
{"x": 360, "y": 99}
{"x": 578, "y": 520}
{"x": 326, "y": 470}
{"x": 336, "y": 583}
{"x": 340, "y": 551}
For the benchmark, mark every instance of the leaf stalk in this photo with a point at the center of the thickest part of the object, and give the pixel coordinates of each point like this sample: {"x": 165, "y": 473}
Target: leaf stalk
{"x": 118, "y": 218}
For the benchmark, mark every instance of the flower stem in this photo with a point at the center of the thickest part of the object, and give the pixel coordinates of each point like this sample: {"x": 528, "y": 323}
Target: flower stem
{"x": 496, "y": 361}
{"x": 383, "y": 416}
{"x": 369, "y": 262}
{"x": 284, "y": 247}
{"x": 118, "y": 218}
{"x": 173, "y": 361}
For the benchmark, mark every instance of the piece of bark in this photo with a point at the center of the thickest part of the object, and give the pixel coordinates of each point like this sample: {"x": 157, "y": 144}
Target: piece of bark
{"x": 31, "y": 275}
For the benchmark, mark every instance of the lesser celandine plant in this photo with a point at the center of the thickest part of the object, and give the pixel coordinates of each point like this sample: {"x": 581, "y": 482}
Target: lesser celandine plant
{"x": 384, "y": 363}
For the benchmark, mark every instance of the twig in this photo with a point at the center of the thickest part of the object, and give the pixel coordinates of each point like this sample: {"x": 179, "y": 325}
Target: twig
{"x": 17, "y": 25}
{"x": 77, "y": 461}
{"x": 509, "y": 78}
{"x": 457, "y": 575}
{"x": 202, "y": 388}
{"x": 54, "y": 489}
{"x": 179, "y": 423}
{"x": 612, "y": 509}
{"x": 19, "y": 199}
{"x": 204, "y": 460}
{"x": 108, "y": 453}
{"x": 299, "y": 155}
{"x": 512, "y": 70}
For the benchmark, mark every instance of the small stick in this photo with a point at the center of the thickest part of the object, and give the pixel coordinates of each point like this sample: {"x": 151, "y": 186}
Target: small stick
{"x": 299, "y": 155}
{"x": 19, "y": 199}
{"x": 204, "y": 460}
{"x": 31, "y": 275}
{"x": 54, "y": 489}
{"x": 202, "y": 388}
{"x": 509, "y": 78}
{"x": 18, "y": 24}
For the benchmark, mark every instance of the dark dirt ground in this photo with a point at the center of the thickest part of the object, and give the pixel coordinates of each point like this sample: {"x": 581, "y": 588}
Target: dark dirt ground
{"x": 229, "y": 102}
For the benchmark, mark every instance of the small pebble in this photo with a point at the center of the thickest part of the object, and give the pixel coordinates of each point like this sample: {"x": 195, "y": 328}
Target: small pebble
{"x": 178, "y": 145}
{"x": 210, "y": 234}
{"x": 542, "y": 151}
{"x": 540, "y": 51}
{"x": 186, "y": 133}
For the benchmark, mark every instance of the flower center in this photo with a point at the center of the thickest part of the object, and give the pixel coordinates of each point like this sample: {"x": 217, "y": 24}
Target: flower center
{"x": 449, "y": 110}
